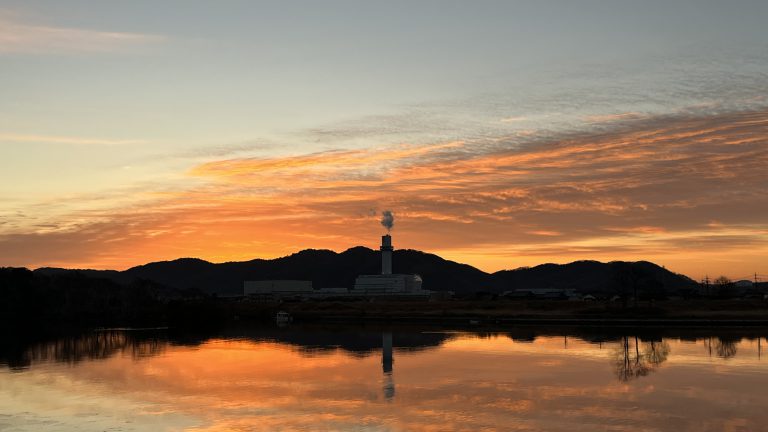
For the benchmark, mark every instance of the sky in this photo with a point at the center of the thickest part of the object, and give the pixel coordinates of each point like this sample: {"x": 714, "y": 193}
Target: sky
{"x": 500, "y": 134}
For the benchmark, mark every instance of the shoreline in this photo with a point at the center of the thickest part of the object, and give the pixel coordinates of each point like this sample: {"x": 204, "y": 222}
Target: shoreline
{"x": 479, "y": 321}
{"x": 510, "y": 313}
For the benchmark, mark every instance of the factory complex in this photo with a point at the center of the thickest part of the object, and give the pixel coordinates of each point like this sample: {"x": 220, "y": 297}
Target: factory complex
{"x": 385, "y": 284}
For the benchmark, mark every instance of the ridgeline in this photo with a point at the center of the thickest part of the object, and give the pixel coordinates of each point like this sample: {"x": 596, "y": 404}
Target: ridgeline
{"x": 328, "y": 269}
{"x": 194, "y": 292}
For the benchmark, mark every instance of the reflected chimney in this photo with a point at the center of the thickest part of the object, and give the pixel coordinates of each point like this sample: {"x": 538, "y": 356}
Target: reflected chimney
{"x": 386, "y": 352}
{"x": 386, "y": 363}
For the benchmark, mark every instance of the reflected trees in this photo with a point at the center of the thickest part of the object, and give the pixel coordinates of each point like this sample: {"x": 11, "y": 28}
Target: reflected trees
{"x": 96, "y": 345}
{"x": 726, "y": 347}
{"x": 723, "y": 347}
{"x": 634, "y": 359}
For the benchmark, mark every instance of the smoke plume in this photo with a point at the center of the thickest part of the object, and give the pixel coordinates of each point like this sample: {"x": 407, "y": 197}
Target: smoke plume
{"x": 387, "y": 219}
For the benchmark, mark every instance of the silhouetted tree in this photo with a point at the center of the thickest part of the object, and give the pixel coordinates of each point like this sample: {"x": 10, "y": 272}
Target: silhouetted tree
{"x": 33, "y": 302}
{"x": 724, "y": 287}
{"x": 628, "y": 278}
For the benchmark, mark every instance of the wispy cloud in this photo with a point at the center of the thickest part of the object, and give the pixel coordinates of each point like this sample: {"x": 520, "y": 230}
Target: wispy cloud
{"x": 21, "y": 36}
{"x": 49, "y": 139}
{"x": 513, "y": 119}
{"x": 331, "y": 163}
{"x": 613, "y": 117}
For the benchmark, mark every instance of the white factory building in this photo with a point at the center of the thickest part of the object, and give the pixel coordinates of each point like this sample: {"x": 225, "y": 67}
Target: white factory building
{"x": 387, "y": 283}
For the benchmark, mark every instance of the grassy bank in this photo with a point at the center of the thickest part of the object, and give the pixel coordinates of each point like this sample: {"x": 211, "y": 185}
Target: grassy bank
{"x": 515, "y": 311}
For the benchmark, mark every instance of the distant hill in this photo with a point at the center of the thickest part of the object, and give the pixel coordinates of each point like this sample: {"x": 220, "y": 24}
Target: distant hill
{"x": 326, "y": 268}
{"x": 594, "y": 277}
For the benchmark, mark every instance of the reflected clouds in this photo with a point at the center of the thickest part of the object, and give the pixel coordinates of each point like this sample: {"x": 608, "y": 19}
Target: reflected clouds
{"x": 283, "y": 379}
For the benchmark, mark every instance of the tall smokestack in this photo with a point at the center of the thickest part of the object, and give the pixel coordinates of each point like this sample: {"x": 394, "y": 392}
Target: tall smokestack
{"x": 388, "y": 221}
{"x": 386, "y": 254}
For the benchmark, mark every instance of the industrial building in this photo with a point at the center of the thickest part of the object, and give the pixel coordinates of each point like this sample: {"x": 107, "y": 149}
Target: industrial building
{"x": 387, "y": 283}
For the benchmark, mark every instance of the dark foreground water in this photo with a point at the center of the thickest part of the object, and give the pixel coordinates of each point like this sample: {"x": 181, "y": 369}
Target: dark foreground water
{"x": 388, "y": 379}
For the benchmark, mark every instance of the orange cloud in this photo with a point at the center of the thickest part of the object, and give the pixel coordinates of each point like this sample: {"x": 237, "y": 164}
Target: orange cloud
{"x": 645, "y": 190}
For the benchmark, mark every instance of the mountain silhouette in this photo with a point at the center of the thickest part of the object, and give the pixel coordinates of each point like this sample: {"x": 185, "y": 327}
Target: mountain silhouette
{"x": 593, "y": 277}
{"x": 327, "y": 269}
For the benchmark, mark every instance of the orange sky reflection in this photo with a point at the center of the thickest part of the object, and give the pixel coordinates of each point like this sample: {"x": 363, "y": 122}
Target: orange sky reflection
{"x": 467, "y": 383}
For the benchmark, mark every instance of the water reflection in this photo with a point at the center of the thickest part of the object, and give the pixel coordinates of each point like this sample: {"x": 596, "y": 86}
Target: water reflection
{"x": 90, "y": 346}
{"x": 386, "y": 364}
{"x": 632, "y": 361}
{"x": 343, "y": 379}
{"x": 635, "y": 355}
{"x": 20, "y": 354}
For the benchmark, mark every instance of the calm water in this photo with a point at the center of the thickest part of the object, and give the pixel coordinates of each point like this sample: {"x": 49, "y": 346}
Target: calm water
{"x": 390, "y": 379}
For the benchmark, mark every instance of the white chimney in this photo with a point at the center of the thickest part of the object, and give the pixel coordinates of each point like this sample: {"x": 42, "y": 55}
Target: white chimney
{"x": 386, "y": 254}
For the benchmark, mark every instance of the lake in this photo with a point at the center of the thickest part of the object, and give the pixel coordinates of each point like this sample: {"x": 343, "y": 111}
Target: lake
{"x": 388, "y": 379}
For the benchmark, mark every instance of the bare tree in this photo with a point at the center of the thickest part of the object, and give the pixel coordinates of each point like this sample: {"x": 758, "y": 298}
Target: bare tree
{"x": 724, "y": 287}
